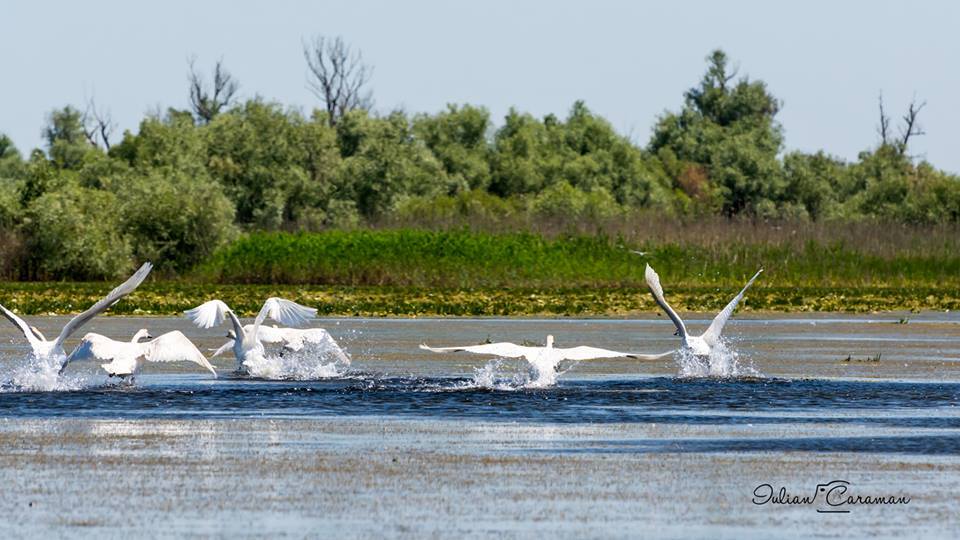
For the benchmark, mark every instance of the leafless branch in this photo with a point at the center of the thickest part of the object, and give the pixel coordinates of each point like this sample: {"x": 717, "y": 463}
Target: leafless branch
{"x": 910, "y": 126}
{"x": 884, "y": 129}
{"x": 207, "y": 103}
{"x": 98, "y": 125}
{"x": 338, "y": 76}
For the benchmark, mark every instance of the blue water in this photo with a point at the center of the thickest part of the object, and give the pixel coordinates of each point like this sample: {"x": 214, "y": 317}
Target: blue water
{"x": 928, "y": 410}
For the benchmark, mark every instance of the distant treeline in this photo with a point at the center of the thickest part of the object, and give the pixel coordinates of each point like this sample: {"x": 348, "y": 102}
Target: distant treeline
{"x": 188, "y": 182}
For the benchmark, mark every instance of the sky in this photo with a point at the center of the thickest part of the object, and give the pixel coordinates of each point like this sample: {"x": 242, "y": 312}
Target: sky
{"x": 827, "y": 61}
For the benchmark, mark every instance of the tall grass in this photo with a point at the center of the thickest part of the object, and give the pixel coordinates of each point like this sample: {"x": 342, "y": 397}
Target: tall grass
{"x": 688, "y": 255}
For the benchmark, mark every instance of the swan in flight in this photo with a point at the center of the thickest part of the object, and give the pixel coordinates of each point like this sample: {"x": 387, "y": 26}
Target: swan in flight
{"x": 544, "y": 360}
{"x": 52, "y": 352}
{"x": 703, "y": 344}
{"x": 250, "y": 346}
{"x": 292, "y": 339}
{"x": 126, "y": 358}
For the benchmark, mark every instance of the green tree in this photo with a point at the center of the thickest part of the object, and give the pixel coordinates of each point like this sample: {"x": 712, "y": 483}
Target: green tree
{"x": 75, "y": 233}
{"x": 66, "y": 137}
{"x": 384, "y": 163}
{"x": 173, "y": 219}
{"x": 729, "y": 127}
{"x": 458, "y": 137}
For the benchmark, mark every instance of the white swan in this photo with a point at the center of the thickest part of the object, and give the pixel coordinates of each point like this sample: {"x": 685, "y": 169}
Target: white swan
{"x": 703, "y": 344}
{"x": 544, "y": 360}
{"x": 249, "y": 346}
{"x": 52, "y": 352}
{"x": 126, "y": 358}
{"x": 292, "y": 340}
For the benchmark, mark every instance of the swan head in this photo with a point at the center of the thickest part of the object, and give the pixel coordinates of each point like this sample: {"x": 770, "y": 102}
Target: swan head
{"x": 231, "y": 335}
{"x": 141, "y": 334}
{"x": 677, "y": 333}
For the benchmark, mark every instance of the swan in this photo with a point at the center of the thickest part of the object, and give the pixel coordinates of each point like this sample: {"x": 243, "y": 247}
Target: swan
{"x": 703, "y": 344}
{"x": 543, "y": 360}
{"x": 52, "y": 352}
{"x": 126, "y": 358}
{"x": 292, "y": 339}
{"x": 250, "y": 346}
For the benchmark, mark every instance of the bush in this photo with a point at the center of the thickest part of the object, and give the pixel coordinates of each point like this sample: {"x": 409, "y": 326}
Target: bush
{"x": 75, "y": 233}
{"x": 175, "y": 220}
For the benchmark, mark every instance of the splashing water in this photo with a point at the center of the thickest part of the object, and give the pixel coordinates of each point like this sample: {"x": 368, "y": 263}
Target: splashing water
{"x": 313, "y": 361}
{"x": 493, "y": 375}
{"x": 31, "y": 374}
{"x": 723, "y": 362}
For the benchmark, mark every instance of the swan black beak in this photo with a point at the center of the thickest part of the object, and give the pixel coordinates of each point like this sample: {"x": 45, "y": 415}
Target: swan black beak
{"x": 677, "y": 333}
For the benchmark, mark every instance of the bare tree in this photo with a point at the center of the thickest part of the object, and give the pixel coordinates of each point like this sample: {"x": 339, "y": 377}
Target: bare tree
{"x": 909, "y": 128}
{"x": 884, "y": 129}
{"x": 98, "y": 125}
{"x": 206, "y": 102}
{"x": 337, "y": 76}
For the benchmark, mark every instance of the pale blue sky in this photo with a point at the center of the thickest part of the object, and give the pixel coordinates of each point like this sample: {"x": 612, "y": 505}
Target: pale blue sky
{"x": 629, "y": 61}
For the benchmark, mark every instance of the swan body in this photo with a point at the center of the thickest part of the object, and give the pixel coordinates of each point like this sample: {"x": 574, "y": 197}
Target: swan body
{"x": 543, "y": 359}
{"x": 249, "y": 346}
{"x": 703, "y": 344}
{"x": 51, "y": 351}
{"x": 292, "y": 340}
{"x": 125, "y": 358}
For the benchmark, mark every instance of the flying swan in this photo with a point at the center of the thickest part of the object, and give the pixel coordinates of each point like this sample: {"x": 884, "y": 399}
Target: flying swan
{"x": 703, "y": 344}
{"x": 52, "y": 351}
{"x": 249, "y": 346}
{"x": 292, "y": 340}
{"x": 126, "y": 358}
{"x": 544, "y": 359}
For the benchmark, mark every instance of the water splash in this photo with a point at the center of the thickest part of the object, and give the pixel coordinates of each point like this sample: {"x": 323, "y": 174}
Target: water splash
{"x": 494, "y": 375}
{"x": 723, "y": 362}
{"x": 312, "y": 362}
{"x": 31, "y": 374}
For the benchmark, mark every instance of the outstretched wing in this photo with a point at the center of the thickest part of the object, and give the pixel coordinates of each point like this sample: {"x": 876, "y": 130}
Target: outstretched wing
{"x": 653, "y": 282}
{"x": 712, "y": 335}
{"x": 208, "y": 314}
{"x": 95, "y": 347}
{"x": 285, "y": 312}
{"x": 589, "y": 353}
{"x": 223, "y": 348}
{"x": 115, "y": 295}
{"x": 21, "y": 324}
{"x": 175, "y": 347}
{"x": 504, "y": 350}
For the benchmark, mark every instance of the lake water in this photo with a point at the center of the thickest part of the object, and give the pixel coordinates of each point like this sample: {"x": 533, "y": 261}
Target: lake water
{"x": 409, "y": 443}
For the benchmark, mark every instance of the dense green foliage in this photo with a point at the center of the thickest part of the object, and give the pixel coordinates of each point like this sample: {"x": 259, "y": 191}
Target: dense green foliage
{"x": 177, "y": 190}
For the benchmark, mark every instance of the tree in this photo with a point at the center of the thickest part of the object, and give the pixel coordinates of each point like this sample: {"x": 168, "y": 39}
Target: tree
{"x": 338, "y": 76}
{"x": 208, "y": 102}
{"x": 459, "y": 139}
{"x": 75, "y": 232}
{"x": 909, "y": 128}
{"x": 731, "y": 130}
{"x": 66, "y": 137}
{"x": 98, "y": 125}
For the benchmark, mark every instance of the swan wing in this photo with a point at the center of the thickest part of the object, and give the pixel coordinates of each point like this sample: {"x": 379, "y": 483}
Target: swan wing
{"x": 653, "y": 282}
{"x": 97, "y": 347}
{"x": 208, "y": 314}
{"x": 712, "y": 335}
{"x": 504, "y": 350}
{"x": 269, "y": 334}
{"x": 222, "y": 349}
{"x": 21, "y": 324}
{"x": 643, "y": 356}
{"x": 285, "y": 312}
{"x": 115, "y": 295}
{"x": 175, "y": 347}
{"x": 588, "y": 353}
